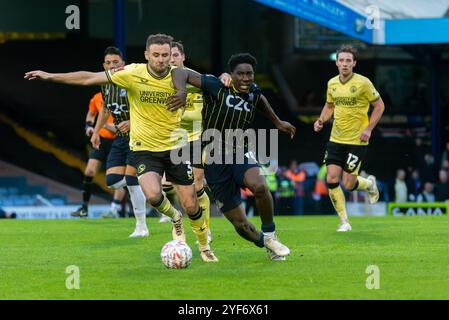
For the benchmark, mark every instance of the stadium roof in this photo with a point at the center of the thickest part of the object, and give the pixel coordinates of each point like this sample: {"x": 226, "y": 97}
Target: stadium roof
{"x": 410, "y": 9}
{"x": 381, "y": 22}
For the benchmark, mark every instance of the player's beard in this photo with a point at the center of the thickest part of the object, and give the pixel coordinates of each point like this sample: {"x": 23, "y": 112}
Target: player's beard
{"x": 158, "y": 68}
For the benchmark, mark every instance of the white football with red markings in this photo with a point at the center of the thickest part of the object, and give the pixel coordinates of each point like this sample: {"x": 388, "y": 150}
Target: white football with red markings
{"x": 176, "y": 254}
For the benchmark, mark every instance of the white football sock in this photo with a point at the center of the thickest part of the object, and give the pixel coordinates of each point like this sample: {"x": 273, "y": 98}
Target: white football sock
{"x": 115, "y": 207}
{"x": 269, "y": 234}
{"x": 138, "y": 201}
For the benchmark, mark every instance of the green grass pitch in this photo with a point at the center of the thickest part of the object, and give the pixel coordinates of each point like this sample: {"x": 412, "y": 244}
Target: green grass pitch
{"x": 412, "y": 254}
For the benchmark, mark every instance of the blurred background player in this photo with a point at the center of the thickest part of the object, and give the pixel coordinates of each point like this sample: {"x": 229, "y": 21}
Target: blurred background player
{"x": 120, "y": 171}
{"x": 225, "y": 180}
{"x": 349, "y": 97}
{"x": 97, "y": 157}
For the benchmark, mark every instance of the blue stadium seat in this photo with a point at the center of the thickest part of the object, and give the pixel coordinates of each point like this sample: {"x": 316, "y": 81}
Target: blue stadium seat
{"x": 15, "y": 191}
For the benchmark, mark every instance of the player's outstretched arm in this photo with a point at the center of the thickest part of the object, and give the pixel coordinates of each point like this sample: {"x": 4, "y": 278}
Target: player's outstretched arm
{"x": 193, "y": 78}
{"x": 378, "y": 110}
{"x": 284, "y": 126}
{"x": 80, "y": 78}
{"x": 326, "y": 114}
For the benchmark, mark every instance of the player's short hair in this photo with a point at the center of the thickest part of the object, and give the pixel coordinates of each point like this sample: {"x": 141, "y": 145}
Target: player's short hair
{"x": 159, "y": 38}
{"x": 113, "y": 50}
{"x": 179, "y": 45}
{"x": 239, "y": 58}
{"x": 349, "y": 49}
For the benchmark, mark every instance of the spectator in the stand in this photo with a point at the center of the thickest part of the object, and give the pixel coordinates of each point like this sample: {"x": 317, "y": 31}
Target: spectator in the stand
{"x": 428, "y": 171}
{"x": 298, "y": 177}
{"x": 293, "y": 169}
{"x": 414, "y": 185}
{"x": 445, "y": 155}
{"x": 7, "y": 215}
{"x": 321, "y": 192}
{"x": 311, "y": 168}
{"x": 400, "y": 187}
{"x": 269, "y": 172}
{"x": 442, "y": 187}
{"x": 427, "y": 195}
{"x": 286, "y": 192}
{"x": 321, "y": 185}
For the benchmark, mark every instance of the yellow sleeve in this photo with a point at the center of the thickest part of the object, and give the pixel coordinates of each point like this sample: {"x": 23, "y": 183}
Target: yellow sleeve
{"x": 194, "y": 113}
{"x": 329, "y": 98}
{"x": 121, "y": 77}
{"x": 370, "y": 91}
{"x": 192, "y": 89}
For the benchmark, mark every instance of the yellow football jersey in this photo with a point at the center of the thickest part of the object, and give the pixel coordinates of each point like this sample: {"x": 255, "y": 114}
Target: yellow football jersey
{"x": 351, "y": 105}
{"x": 191, "y": 119}
{"x": 152, "y": 126}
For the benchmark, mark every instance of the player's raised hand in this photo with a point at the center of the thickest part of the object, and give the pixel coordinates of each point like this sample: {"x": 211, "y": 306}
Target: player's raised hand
{"x": 287, "y": 127}
{"x": 226, "y": 79}
{"x": 318, "y": 125}
{"x": 123, "y": 126}
{"x": 366, "y": 134}
{"x": 177, "y": 101}
{"x": 95, "y": 140}
{"x": 37, "y": 75}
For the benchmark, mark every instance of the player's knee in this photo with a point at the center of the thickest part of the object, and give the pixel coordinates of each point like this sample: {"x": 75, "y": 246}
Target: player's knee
{"x": 349, "y": 184}
{"x": 190, "y": 207}
{"x": 260, "y": 190}
{"x": 198, "y": 184}
{"x": 153, "y": 193}
{"x": 90, "y": 172}
{"x": 115, "y": 181}
{"x": 332, "y": 179}
{"x": 154, "y": 199}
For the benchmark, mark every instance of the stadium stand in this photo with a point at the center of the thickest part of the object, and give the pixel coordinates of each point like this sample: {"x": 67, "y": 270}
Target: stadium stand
{"x": 20, "y": 187}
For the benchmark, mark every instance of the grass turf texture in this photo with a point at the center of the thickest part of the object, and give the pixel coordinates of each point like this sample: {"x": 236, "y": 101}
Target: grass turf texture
{"x": 411, "y": 253}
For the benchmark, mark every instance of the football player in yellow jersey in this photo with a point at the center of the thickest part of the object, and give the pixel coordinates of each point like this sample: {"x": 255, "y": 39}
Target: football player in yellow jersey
{"x": 156, "y": 96}
{"x": 349, "y": 97}
{"x": 191, "y": 125}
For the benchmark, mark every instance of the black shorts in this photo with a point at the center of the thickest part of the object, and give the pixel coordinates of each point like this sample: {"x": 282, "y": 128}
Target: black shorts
{"x": 225, "y": 182}
{"x": 347, "y": 156}
{"x": 120, "y": 154}
{"x": 101, "y": 154}
{"x": 192, "y": 153}
{"x": 147, "y": 161}
{"x": 196, "y": 154}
